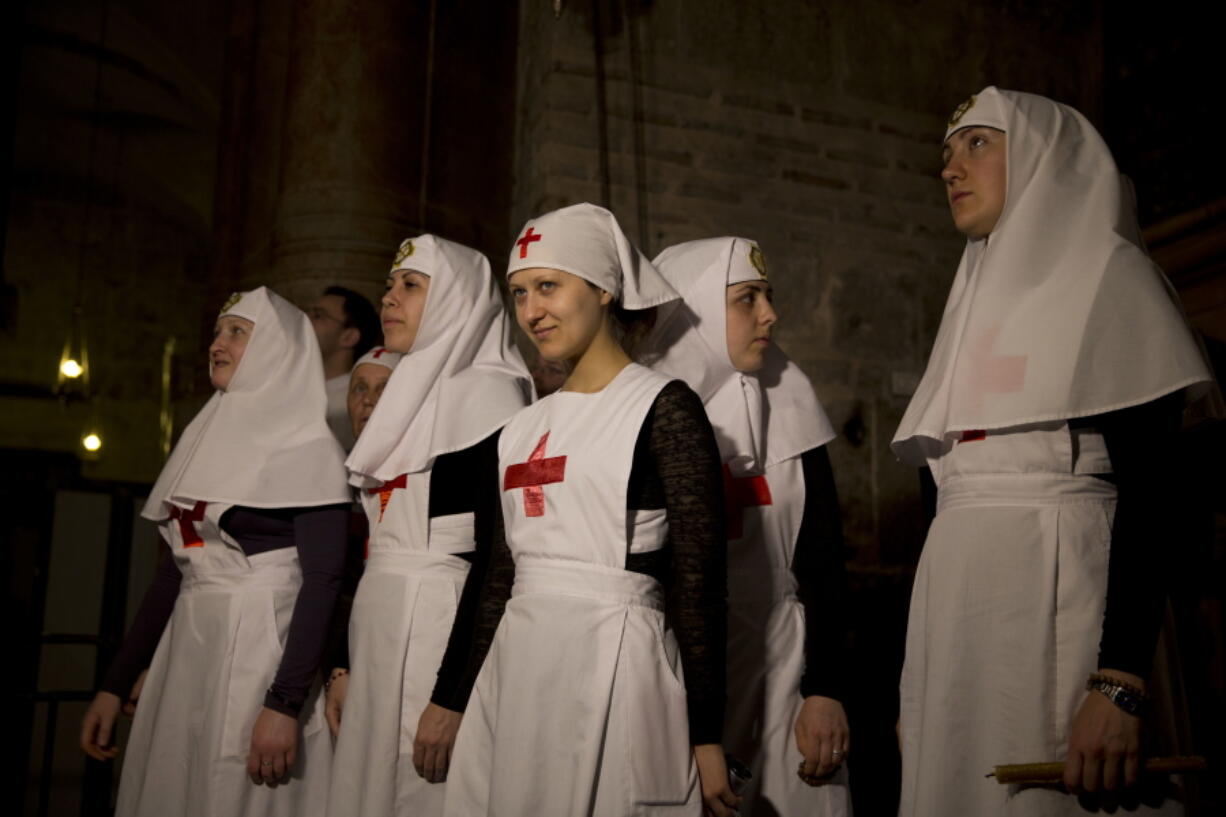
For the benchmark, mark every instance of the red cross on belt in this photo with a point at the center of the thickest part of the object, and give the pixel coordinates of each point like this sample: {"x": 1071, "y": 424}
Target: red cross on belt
{"x": 527, "y": 238}
{"x": 741, "y": 493}
{"x": 385, "y": 492}
{"x": 187, "y": 523}
{"x": 534, "y": 473}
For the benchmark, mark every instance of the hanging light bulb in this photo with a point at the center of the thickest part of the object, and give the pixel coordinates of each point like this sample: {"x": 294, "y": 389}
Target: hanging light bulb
{"x": 72, "y": 378}
{"x": 91, "y": 442}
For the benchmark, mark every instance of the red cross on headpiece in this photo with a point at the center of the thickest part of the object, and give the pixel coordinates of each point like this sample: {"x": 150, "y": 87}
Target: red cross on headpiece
{"x": 741, "y": 493}
{"x": 187, "y": 523}
{"x": 527, "y": 238}
{"x": 534, "y": 473}
{"x": 378, "y": 353}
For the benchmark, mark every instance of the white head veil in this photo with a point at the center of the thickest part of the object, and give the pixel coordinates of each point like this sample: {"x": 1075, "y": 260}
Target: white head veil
{"x": 378, "y": 356}
{"x": 262, "y": 442}
{"x": 462, "y": 379}
{"x": 587, "y": 241}
{"x": 760, "y": 419}
{"x": 1058, "y": 313}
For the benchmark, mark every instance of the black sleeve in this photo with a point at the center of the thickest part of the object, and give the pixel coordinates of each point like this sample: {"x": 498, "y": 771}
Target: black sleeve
{"x": 319, "y": 536}
{"x": 822, "y": 580}
{"x": 1142, "y": 442}
{"x": 142, "y": 640}
{"x": 684, "y": 453}
{"x": 337, "y": 650}
{"x": 486, "y": 589}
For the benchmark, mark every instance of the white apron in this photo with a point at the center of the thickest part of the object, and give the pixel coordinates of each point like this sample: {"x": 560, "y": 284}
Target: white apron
{"x": 766, "y": 646}
{"x": 1006, "y": 617}
{"x": 398, "y": 629}
{"x": 580, "y": 707}
{"x": 187, "y": 753}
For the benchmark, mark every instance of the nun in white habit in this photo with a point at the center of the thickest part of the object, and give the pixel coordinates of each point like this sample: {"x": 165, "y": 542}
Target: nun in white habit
{"x": 591, "y": 699}
{"x": 433, "y": 436}
{"x": 1047, "y": 415}
{"x": 786, "y": 628}
{"x": 252, "y": 505}
{"x": 367, "y": 380}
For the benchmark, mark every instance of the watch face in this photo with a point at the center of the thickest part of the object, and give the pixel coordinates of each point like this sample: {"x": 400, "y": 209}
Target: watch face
{"x": 1124, "y": 699}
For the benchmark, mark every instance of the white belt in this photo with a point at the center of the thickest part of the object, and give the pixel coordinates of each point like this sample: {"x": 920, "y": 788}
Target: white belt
{"x": 978, "y": 490}
{"x": 416, "y": 563}
{"x": 535, "y": 575}
{"x": 276, "y": 568}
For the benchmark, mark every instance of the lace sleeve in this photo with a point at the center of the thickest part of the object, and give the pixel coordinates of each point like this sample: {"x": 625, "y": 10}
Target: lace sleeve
{"x": 485, "y": 591}
{"x": 683, "y": 452}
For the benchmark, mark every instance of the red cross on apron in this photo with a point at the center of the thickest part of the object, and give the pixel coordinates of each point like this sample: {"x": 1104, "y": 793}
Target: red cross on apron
{"x": 385, "y": 495}
{"x": 187, "y": 523}
{"x": 385, "y": 492}
{"x": 534, "y": 473}
{"x": 527, "y": 238}
{"x": 989, "y": 373}
{"x": 741, "y": 493}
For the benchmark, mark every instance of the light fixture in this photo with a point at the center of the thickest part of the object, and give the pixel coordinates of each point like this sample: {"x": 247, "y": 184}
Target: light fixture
{"x": 72, "y": 377}
{"x": 91, "y": 442}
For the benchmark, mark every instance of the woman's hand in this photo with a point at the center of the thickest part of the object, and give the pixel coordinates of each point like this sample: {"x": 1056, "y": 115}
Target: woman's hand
{"x": 274, "y": 747}
{"x": 334, "y": 699}
{"x": 717, "y": 797}
{"x": 436, "y": 731}
{"x": 822, "y": 737}
{"x": 98, "y": 726}
{"x": 129, "y": 706}
{"x": 1104, "y": 745}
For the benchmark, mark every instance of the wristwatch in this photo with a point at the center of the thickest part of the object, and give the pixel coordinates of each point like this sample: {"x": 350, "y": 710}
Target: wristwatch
{"x": 1125, "y": 697}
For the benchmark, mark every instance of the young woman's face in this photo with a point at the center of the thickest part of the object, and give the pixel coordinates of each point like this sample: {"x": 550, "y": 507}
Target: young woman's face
{"x": 230, "y": 337}
{"x": 976, "y": 178}
{"x": 402, "y": 307}
{"x": 365, "y": 388}
{"x": 561, "y": 312}
{"x": 751, "y": 318}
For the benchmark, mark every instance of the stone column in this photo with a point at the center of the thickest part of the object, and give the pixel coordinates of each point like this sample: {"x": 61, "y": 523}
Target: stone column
{"x": 350, "y": 163}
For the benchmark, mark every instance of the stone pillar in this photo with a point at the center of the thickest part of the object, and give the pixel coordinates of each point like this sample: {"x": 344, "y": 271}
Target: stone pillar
{"x": 349, "y": 169}
{"x": 323, "y": 138}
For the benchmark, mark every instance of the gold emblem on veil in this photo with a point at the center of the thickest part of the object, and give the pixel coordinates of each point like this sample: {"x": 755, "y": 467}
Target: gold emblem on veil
{"x": 234, "y": 298}
{"x": 406, "y": 249}
{"x": 759, "y": 262}
{"x": 961, "y": 111}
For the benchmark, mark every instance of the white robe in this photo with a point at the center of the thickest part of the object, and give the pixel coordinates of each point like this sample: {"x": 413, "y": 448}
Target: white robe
{"x": 187, "y": 753}
{"x": 402, "y": 615}
{"x": 766, "y": 655}
{"x": 580, "y": 707}
{"x": 1006, "y": 617}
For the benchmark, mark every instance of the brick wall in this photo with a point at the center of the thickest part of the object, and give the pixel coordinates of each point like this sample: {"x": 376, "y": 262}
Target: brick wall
{"x": 813, "y": 128}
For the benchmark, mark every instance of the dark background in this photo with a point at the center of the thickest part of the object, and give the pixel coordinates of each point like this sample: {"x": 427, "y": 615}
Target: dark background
{"x": 163, "y": 155}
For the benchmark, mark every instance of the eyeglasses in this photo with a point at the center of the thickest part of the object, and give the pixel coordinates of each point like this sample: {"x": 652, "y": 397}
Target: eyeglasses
{"x": 318, "y": 313}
